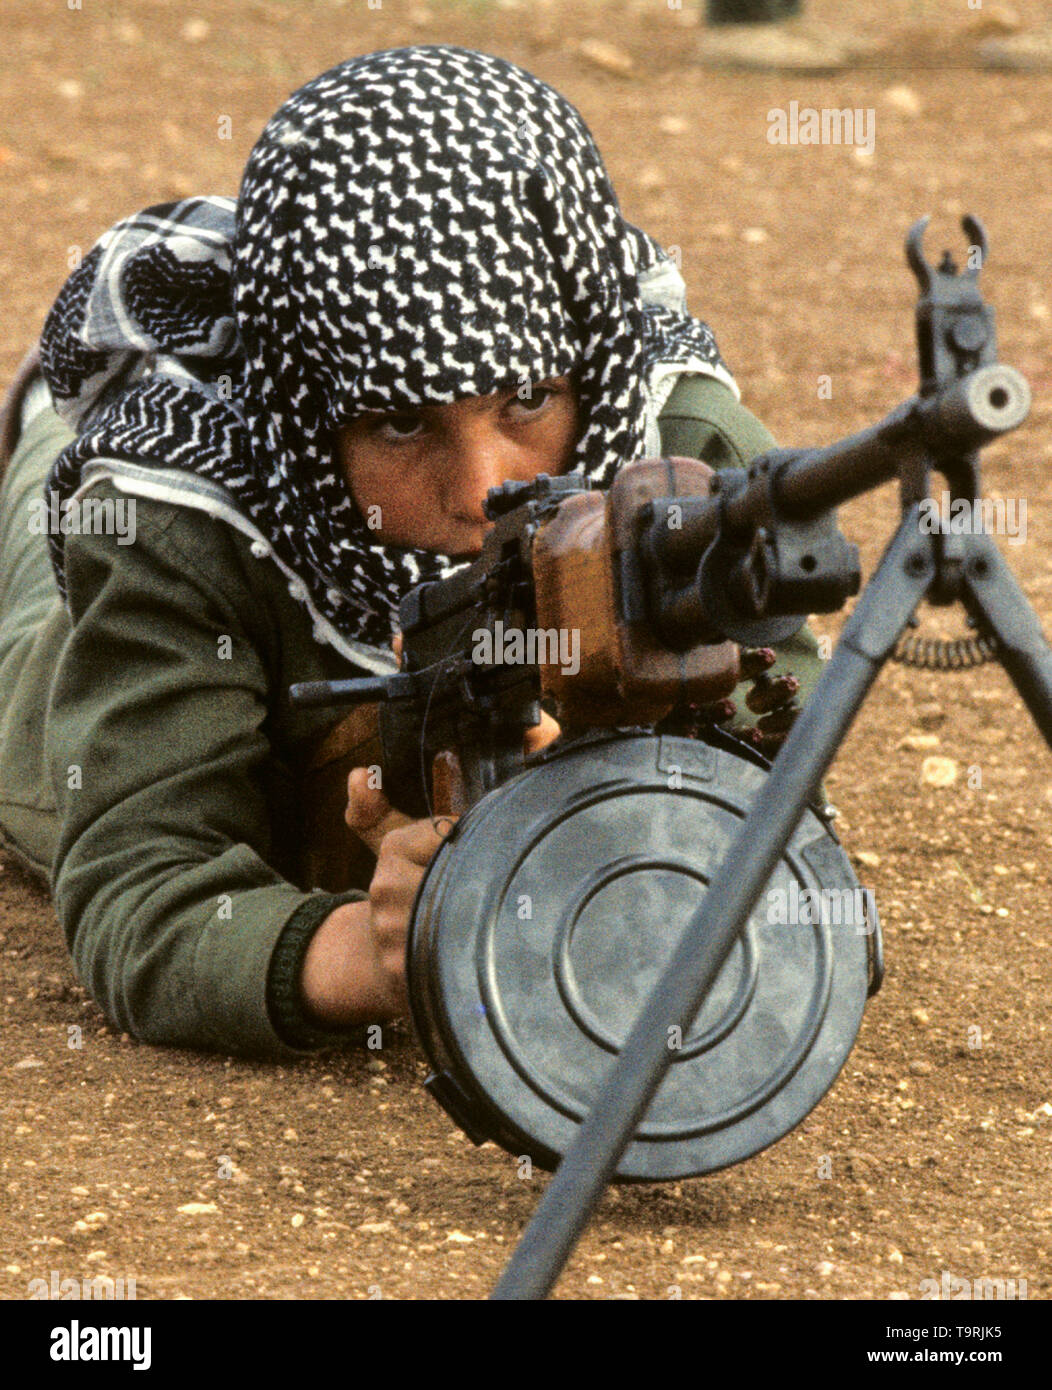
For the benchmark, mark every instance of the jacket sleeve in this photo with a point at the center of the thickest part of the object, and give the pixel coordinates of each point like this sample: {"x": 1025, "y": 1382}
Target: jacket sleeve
{"x": 702, "y": 419}
{"x": 160, "y": 760}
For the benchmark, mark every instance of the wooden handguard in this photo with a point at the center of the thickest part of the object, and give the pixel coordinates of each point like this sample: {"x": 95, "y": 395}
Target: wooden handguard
{"x": 626, "y": 675}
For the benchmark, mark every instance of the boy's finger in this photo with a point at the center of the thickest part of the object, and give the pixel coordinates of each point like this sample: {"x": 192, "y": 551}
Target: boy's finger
{"x": 419, "y": 841}
{"x": 538, "y": 737}
{"x": 369, "y": 813}
{"x": 372, "y": 832}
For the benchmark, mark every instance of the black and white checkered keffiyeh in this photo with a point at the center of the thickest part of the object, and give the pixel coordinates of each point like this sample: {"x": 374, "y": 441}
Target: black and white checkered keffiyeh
{"x": 415, "y": 226}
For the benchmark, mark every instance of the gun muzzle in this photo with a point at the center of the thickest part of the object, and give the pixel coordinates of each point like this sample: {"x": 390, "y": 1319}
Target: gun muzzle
{"x": 977, "y": 408}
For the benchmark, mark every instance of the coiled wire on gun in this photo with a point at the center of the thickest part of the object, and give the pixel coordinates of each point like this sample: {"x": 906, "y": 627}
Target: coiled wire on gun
{"x": 940, "y": 654}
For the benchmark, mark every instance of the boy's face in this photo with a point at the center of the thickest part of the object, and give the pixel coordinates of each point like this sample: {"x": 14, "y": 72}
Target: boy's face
{"x": 428, "y": 470}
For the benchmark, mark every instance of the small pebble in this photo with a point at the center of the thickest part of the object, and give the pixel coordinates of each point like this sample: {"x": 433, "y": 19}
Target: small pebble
{"x": 930, "y": 716}
{"x": 939, "y": 772}
{"x": 904, "y": 99}
{"x": 606, "y": 56}
{"x": 915, "y": 743}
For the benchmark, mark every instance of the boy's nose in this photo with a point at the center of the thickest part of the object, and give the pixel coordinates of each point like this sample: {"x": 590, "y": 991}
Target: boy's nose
{"x": 481, "y": 459}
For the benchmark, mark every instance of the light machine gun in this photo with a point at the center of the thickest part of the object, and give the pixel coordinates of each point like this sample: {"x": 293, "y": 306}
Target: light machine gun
{"x": 595, "y": 970}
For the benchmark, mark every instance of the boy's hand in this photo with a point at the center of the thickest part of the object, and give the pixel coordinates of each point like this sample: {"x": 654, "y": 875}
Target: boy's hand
{"x": 354, "y": 970}
{"x": 403, "y": 848}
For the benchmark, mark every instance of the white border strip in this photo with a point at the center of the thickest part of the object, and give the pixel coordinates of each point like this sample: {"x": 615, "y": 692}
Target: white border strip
{"x": 186, "y": 490}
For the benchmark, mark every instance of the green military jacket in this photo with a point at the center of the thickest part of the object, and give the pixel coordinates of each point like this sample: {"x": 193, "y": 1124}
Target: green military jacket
{"x": 153, "y": 769}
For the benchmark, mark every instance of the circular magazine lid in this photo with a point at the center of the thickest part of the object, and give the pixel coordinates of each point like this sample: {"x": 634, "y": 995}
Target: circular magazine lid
{"x": 547, "y": 918}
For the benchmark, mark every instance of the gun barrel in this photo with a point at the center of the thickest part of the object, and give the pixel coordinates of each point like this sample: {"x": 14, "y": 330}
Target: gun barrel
{"x": 806, "y": 482}
{"x": 820, "y": 479}
{"x": 788, "y": 489}
{"x": 955, "y": 422}
{"x": 977, "y": 408}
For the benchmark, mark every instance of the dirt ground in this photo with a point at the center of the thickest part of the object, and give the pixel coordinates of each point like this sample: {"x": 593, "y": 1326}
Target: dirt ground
{"x": 344, "y": 1179}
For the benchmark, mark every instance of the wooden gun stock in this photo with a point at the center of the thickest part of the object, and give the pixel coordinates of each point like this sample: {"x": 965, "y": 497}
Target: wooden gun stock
{"x": 334, "y": 858}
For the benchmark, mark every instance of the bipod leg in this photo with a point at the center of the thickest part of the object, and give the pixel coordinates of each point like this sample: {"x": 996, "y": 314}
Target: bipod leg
{"x": 994, "y": 594}
{"x": 869, "y": 637}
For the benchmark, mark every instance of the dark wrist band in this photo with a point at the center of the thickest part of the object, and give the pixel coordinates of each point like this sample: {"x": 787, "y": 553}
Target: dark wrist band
{"x": 284, "y": 997}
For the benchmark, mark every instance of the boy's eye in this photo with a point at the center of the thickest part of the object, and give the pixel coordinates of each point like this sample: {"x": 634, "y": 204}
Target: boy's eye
{"x": 533, "y": 403}
{"x": 397, "y": 427}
